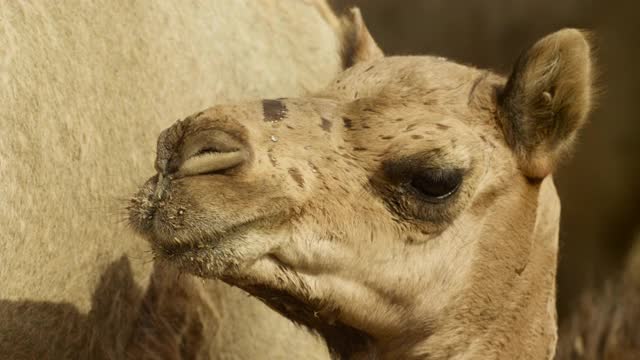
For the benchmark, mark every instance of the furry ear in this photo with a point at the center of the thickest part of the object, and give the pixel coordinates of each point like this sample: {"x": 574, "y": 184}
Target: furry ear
{"x": 357, "y": 43}
{"x": 546, "y": 100}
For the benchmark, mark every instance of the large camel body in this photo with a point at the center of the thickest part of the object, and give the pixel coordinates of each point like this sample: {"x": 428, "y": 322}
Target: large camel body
{"x": 85, "y": 88}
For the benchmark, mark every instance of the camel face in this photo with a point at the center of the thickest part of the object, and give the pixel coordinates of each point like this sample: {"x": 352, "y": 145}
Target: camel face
{"x": 387, "y": 163}
{"x": 407, "y": 206}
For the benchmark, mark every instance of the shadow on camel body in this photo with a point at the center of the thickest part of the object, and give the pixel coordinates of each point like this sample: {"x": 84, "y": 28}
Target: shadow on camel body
{"x": 84, "y": 89}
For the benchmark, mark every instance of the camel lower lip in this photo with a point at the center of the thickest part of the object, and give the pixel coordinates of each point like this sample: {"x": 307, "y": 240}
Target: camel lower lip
{"x": 176, "y": 250}
{"x": 205, "y": 259}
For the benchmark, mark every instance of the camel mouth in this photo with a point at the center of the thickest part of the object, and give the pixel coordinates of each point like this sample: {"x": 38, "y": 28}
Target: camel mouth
{"x": 170, "y": 244}
{"x": 177, "y": 248}
{"x": 170, "y": 251}
{"x": 203, "y": 258}
{"x": 182, "y": 233}
{"x": 212, "y": 255}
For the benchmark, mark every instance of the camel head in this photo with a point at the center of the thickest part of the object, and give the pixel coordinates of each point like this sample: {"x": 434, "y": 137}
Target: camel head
{"x": 405, "y": 211}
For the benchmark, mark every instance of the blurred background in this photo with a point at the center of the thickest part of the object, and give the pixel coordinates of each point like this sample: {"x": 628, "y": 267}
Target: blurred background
{"x": 600, "y": 185}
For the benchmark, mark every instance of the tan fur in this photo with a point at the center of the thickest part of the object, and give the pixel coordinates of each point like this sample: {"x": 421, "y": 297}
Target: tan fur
{"x": 85, "y": 86}
{"x": 323, "y": 221}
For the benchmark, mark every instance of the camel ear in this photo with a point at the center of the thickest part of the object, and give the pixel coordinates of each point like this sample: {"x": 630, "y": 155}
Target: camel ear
{"x": 357, "y": 43}
{"x": 546, "y": 100}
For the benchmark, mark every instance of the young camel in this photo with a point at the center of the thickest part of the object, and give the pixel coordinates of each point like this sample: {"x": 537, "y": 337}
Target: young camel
{"x": 407, "y": 211}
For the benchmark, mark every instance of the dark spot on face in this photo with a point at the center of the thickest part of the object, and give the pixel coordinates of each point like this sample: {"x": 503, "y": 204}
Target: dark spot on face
{"x": 410, "y": 127}
{"x": 273, "y": 110}
{"x": 290, "y": 127}
{"x": 348, "y": 123}
{"x": 487, "y": 141}
{"x": 326, "y": 125}
{"x": 442, "y": 126}
{"x": 369, "y": 68}
{"x": 399, "y": 119}
{"x": 296, "y": 176}
{"x": 410, "y": 239}
{"x": 357, "y": 148}
{"x": 417, "y": 137}
{"x": 386, "y": 137}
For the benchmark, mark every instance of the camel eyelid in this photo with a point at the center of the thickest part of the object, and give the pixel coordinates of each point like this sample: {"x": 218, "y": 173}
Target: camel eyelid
{"x": 430, "y": 164}
{"x": 436, "y": 185}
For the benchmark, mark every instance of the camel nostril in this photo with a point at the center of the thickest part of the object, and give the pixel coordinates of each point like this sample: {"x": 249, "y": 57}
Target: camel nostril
{"x": 208, "y": 150}
{"x": 211, "y": 151}
{"x": 210, "y": 161}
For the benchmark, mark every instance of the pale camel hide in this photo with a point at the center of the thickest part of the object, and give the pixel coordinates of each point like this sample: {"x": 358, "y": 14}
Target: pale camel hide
{"x": 84, "y": 89}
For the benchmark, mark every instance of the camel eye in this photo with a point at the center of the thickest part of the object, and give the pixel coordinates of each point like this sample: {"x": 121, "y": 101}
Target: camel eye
{"x": 435, "y": 185}
{"x": 422, "y": 188}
